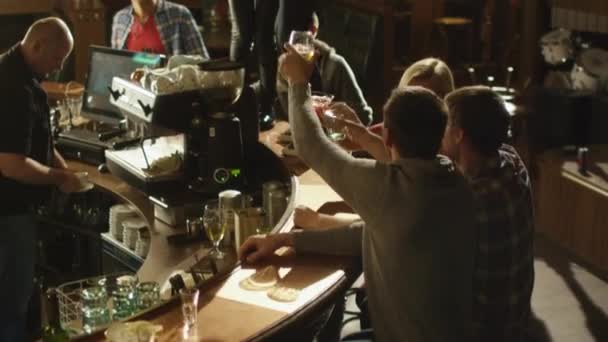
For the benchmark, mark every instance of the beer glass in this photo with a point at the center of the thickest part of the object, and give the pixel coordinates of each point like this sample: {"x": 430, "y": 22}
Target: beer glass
{"x": 302, "y": 41}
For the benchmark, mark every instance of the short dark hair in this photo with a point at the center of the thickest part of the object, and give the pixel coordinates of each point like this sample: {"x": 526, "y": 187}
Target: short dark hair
{"x": 416, "y": 118}
{"x": 482, "y": 116}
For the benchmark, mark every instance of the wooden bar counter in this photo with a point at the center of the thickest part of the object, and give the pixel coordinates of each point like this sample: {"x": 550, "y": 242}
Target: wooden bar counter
{"x": 572, "y": 208}
{"x": 226, "y": 312}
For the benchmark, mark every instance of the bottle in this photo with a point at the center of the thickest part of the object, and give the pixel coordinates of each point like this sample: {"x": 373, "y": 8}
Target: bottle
{"x": 53, "y": 332}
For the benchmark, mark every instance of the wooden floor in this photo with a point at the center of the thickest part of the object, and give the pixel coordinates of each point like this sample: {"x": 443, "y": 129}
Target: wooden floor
{"x": 570, "y": 303}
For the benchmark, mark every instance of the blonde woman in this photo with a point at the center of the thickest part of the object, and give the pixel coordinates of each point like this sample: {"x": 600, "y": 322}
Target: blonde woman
{"x": 430, "y": 73}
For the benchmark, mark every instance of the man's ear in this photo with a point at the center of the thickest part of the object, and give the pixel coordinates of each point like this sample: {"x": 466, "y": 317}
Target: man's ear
{"x": 458, "y": 135}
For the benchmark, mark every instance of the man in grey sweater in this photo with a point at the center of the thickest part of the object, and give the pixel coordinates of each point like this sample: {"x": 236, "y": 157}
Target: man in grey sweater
{"x": 417, "y": 240}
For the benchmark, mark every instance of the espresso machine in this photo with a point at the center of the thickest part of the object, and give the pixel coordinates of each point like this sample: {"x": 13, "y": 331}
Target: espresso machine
{"x": 218, "y": 121}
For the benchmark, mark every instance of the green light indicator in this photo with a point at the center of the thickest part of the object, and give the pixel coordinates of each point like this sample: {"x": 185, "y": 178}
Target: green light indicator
{"x": 235, "y": 173}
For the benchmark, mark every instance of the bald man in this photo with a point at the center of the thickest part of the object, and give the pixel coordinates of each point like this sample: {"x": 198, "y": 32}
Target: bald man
{"x": 29, "y": 165}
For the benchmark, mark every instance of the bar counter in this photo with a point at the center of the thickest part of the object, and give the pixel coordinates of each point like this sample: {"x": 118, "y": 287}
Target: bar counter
{"x": 227, "y": 312}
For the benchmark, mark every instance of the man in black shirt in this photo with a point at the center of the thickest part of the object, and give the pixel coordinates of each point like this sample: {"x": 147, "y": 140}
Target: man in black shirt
{"x": 29, "y": 165}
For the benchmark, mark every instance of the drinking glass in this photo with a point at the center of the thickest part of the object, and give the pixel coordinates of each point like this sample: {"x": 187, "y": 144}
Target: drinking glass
{"x": 336, "y": 131}
{"x": 215, "y": 227}
{"x": 148, "y": 294}
{"x": 64, "y": 114}
{"x": 124, "y": 296}
{"x": 75, "y": 106}
{"x": 123, "y": 302}
{"x": 189, "y": 299}
{"x": 95, "y": 311}
{"x": 321, "y": 102}
{"x": 302, "y": 42}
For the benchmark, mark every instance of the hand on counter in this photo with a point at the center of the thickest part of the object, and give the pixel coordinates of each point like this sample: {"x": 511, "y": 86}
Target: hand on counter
{"x": 258, "y": 247}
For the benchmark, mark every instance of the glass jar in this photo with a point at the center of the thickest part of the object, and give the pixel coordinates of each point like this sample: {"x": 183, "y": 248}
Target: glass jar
{"x": 148, "y": 294}
{"x": 95, "y": 311}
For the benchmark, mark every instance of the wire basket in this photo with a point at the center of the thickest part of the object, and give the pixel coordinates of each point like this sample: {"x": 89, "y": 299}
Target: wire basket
{"x": 69, "y": 298}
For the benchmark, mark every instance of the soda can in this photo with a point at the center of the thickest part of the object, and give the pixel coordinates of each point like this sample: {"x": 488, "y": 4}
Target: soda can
{"x": 581, "y": 159}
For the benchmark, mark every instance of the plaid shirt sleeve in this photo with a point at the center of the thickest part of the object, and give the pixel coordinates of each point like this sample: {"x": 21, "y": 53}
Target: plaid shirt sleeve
{"x": 504, "y": 270}
{"x": 191, "y": 37}
{"x": 121, "y": 25}
{"x": 179, "y": 31}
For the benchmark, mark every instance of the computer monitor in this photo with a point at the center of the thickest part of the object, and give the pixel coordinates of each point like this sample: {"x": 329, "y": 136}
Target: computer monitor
{"x": 105, "y": 63}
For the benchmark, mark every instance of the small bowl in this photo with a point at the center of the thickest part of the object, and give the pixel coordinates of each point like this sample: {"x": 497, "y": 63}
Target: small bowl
{"x": 85, "y": 183}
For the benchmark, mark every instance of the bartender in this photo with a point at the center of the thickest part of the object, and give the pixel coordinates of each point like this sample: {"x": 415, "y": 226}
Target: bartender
{"x": 29, "y": 165}
{"x": 157, "y": 26}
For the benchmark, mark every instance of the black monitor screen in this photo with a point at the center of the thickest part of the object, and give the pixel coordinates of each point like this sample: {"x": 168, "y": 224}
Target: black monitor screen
{"x": 104, "y": 64}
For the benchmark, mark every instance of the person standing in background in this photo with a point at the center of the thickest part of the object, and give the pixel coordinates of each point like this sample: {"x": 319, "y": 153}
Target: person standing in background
{"x": 332, "y": 75}
{"x": 157, "y": 26}
{"x": 29, "y": 165}
{"x": 254, "y": 21}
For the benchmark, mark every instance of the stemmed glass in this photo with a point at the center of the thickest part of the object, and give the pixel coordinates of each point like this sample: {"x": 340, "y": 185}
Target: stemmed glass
{"x": 302, "y": 42}
{"x": 321, "y": 102}
{"x": 215, "y": 227}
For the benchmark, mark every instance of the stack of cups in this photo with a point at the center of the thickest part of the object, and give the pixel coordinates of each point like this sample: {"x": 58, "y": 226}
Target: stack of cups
{"x": 130, "y": 231}
{"x": 118, "y": 213}
{"x": 143, "y": 242}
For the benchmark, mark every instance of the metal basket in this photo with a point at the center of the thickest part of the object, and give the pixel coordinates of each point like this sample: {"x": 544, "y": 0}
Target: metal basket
{"x": 68, "y": 296}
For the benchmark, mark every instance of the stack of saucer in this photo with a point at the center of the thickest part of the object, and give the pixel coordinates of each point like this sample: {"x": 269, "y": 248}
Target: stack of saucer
{"x": 130, "y": 227}
{"x": 118, "y": 213}
{"x": 143, "y": 242}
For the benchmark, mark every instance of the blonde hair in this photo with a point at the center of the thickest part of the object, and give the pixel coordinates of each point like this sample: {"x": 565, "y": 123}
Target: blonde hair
{"x": 431, "y": 70}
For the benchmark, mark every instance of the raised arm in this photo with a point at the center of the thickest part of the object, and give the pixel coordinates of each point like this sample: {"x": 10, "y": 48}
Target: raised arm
{"x": 355, "y": 180}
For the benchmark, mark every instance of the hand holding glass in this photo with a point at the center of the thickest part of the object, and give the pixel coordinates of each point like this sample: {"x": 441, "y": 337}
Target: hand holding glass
{"x": 302, "y": 42}
{"x": 332, "y": 121}
{"x": 321, "y": 102}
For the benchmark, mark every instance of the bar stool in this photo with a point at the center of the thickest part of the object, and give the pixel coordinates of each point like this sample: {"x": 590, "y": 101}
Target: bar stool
{"x": 447, "y": 33}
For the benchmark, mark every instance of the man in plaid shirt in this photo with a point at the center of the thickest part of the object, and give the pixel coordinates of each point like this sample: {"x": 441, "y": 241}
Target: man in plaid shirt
{"x": 504, "y": 270}
{"x": 157, "y": 26}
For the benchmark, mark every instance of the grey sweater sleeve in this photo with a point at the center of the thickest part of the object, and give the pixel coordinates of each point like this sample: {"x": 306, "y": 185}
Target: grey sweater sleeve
{"x": 349, "y": 91}
{"x": 360, "y": 182}
{"x": 335, "y": 241}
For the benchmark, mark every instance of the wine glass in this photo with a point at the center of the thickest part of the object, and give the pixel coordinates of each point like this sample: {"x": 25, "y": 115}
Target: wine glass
{"x": 321, "y": 102}
{"x": 302, "y": 42}
{"x": 215, "y": 227}
{"x": 336, "y": 131}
